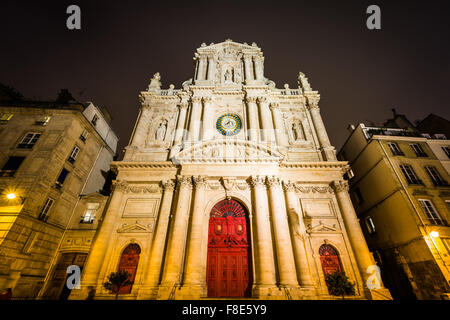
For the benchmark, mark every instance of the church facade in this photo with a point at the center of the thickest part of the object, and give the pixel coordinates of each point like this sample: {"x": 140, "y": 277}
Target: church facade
{"x": 229, "y": 188}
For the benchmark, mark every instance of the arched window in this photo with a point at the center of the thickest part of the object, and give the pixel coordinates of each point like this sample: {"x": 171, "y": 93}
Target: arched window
{"x": 329, "y": 259}
{"x": 129, "y": 262}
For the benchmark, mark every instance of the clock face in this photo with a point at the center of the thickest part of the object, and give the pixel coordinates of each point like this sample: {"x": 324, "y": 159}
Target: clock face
{"x": 229, "y": 124}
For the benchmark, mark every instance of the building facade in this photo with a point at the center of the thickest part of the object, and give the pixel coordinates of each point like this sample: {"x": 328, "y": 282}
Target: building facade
{"x": 401, "y": 195}
{"x": 229, "y": 187}
{"x": 51, "y": 152}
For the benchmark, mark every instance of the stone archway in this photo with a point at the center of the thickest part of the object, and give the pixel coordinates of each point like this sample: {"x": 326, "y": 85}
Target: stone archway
{"x": 229, "y": 257}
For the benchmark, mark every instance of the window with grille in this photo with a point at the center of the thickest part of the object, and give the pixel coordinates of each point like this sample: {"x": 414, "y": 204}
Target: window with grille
{"x": 370, "y": 225}
{"x": 447, "y": 151}
{"x": 43, "y": 215}
{"x": 11, "y": 166}
{"x": 430, "y": 211}
{"x": 73, "y": 154}
{"x": 84, "y": 135}
{"x": 395, "y": 149}
{"x": 418, "y": 150}
{"x": 409, "y": 174}
{"x": 29, "y": 140}
{"x": 435, "y": 176}
{"x": 5, "y": 117}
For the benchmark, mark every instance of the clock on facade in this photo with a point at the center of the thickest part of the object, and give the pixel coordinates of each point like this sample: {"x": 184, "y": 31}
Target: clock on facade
{"x": 229, "y": 124}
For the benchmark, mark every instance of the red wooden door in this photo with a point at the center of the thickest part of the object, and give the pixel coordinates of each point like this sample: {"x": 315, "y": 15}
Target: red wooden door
{"x": 228, "y": 271}
{"x": 329, "y": 259}
{"x": 129, "y": 262}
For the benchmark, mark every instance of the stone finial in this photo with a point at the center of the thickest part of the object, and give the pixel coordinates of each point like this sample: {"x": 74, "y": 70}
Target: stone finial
{"x": 303, "y": 82}
{"x": 254, "y": 44}
{"x": 155, "y": 82}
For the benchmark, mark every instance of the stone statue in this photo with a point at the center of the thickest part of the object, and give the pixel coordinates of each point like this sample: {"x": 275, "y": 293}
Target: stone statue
{"x": 161, "y": 131}
{"x": 297, "y": 130}
{"x": 227, "y": 76}
{"x": 155, "y": 83}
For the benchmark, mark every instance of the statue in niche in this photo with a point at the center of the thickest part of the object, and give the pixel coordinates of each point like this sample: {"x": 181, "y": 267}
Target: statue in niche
{"x": 161, "y": 131}
{"x": 297, "y": 131}
{"x": 228, "y": 76}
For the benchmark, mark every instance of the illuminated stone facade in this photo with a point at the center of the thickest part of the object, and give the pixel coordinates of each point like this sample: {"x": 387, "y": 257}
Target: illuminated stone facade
{"x": 229, "y": 137}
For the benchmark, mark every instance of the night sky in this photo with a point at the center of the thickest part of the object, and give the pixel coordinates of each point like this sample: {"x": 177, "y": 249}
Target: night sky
{"x": 360, "y": 74}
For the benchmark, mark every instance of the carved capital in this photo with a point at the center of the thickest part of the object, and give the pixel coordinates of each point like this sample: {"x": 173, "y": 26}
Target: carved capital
{"x": 313, "y": 101}
{"x": 289, "y": 186}
{"x": 273, "y": 181}
{"x": 206, "y": 99}
{"x": 196, "y": 99}
{"x": 168, "y": 185}
{"x": 274, "y": 106}
{"x": 262, "y": 99}
{"x": 119, "y": 185}
{"x": 251, "y": 99}
{"x": 184, "y": 181}
{"x": 257, "y": 181}
{"x": 184, "y": 105}
{"x": 199, "y": 181}
{"x": 340, "y": 186}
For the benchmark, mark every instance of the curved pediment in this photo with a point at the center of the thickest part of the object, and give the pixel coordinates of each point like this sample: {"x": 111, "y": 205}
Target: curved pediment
{"x": 228, "y": 151}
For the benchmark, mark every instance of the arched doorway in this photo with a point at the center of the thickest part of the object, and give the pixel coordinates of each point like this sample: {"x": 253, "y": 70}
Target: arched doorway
{"x": 129, "y": 261}
{"x": 329, "y": 259}
{"x": 229, "y": 263}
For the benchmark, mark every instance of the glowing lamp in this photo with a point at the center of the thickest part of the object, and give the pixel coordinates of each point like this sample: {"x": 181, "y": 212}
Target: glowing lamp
{"x": 434, "y": 234}
{"x": 11, "y": 196}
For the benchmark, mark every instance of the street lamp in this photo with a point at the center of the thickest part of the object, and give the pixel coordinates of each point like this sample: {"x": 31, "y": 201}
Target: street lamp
{"x": 434, "y": 234}
{"x": 11, "y": 196}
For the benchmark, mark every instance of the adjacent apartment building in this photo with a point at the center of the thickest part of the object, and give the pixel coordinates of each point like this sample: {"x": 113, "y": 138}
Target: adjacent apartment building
{"x": 53, "y": 155}
{"x": 401, "y": 194}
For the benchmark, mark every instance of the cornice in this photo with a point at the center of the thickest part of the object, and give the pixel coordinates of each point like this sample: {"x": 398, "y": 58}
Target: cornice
{"x": 142, "y": 165}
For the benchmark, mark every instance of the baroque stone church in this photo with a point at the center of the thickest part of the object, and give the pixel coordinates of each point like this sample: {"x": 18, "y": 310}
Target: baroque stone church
{"x": 229, "y": 188}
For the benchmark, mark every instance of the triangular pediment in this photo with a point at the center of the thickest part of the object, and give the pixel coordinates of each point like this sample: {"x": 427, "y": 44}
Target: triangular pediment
{"x": 133, "y": 228}
{"x": 321, "y": 227}
{"x": 228, "y": 151}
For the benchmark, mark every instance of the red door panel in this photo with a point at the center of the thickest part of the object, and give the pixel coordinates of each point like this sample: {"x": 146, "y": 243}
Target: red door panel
{"x": 228, "y": 265}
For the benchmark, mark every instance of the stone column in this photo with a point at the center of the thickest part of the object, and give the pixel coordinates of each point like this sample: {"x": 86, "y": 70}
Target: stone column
{"x": 96, "y": 257}
{"x": 285, "y": 255}
{"x": 266, "y": 119}
{"x": 253, "y": 121}
{"x": 151, "y": 278}
{"x": 259, "y": 71}
{"x": 180, "y": 130}
{"x": 175, "y": 252}
{"x": 321, "y": 132}
{"x": 201, "y": 68}
{"x": 298, "y": 232}
{"x": 353, "y": 228}
{"x": 194, "y": 125}
{"x": 179, "y": 133}
{"x": 247, "y": 68}
{"x": 265, "y": 262}
{"x": 194, "y": 273}
{"x": 280, "y": 131}
{"x": 208, "y": 119}
{"x": 211, "y": 68}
